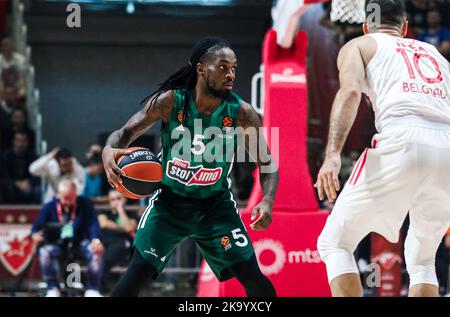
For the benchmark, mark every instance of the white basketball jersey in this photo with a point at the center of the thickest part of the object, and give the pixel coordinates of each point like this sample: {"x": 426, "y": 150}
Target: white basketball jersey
{"x": 408, "y": 83}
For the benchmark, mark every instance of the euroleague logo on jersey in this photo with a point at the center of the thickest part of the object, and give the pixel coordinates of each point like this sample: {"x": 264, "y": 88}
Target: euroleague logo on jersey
{"x": 225, "y": 242}
{"x": 182, "y": 116}
{"x": 227, "y": 122}
{"x": 182, "y": 172}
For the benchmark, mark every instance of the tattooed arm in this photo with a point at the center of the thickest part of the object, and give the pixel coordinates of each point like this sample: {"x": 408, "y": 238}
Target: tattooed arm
{"x": 345, "y": 107}
{"x": 137, "y": 125}
{"x": 249, "y": 120}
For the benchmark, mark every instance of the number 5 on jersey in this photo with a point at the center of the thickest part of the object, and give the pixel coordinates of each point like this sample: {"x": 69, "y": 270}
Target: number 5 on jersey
{"x": 198, "y": 145}
{"x": 239, "y": 238}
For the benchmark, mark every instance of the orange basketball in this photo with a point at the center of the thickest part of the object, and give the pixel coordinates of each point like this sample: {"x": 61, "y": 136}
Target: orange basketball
{"x": 143, "y": 173}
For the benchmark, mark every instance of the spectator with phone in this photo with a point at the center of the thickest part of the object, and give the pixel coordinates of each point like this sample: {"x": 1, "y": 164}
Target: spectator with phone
{"x": 118, "y": 229}
{"x": 68, "y": 226}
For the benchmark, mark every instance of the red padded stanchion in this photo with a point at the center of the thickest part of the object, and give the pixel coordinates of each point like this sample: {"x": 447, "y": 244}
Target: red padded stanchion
{"x": 286, "y": 108}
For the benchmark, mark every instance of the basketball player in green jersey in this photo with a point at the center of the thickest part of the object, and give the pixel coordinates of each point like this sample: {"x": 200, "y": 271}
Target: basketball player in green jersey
{"x": 195, "y": 199}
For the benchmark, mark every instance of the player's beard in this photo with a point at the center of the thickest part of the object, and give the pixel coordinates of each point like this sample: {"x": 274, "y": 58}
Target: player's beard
{"x": 217, "y": 93}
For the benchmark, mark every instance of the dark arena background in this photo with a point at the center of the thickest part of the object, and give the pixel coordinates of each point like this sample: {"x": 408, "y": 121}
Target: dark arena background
{"x": 72, "y": 72}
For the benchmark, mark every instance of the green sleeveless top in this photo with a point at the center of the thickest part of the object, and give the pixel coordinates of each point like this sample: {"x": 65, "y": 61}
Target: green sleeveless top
{"x": 198, "y": 150}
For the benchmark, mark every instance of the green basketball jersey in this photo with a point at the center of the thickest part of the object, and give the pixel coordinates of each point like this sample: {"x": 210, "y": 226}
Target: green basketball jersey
{"x": 198, "y": 150}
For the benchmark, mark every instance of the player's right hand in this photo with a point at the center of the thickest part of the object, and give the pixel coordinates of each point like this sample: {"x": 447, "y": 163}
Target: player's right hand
{"x": 327, "y": 179}
{"x": 113, "y": 172}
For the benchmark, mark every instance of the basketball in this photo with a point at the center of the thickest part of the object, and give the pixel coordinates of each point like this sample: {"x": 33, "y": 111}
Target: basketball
{"x": 143, "y": 173}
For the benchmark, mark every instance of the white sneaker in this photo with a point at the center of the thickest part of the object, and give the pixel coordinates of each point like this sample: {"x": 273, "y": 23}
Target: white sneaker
{"x": 92, "y": 293}
{"x": 54, "y": 292}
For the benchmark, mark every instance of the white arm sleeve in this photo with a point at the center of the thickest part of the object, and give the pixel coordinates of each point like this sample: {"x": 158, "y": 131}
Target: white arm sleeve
{"x": 281, "y": 16}
{"x": 40, "y": 166}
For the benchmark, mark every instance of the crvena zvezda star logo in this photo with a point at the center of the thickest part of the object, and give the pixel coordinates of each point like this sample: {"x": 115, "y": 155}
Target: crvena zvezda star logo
{"x": 16, "y": 247}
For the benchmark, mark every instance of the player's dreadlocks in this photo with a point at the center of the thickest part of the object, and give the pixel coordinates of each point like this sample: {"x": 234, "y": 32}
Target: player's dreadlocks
{"x": 186, "y": 77}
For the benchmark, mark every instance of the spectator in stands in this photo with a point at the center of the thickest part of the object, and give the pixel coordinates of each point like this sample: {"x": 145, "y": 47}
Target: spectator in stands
{"x": 9, "y": 57}
{"x": 19, "y": 186}
{"x": 118, "y": 228}
{"x": 444, "y": 7}
{"x": 94, "y": 187}
{"x": 12, "y": 81}
{"x": 18, "y": 123}
{"x": 436, "y": 34}
{"x": 8, "y": 101}
{"x": 54, "y": 166}
{"x": 93, "y": 148}
{"x": 12, "y": 89}
{"x": 418, "y": 10}
{"x": 411, "y": 33}
{"x": 67, "y": 227}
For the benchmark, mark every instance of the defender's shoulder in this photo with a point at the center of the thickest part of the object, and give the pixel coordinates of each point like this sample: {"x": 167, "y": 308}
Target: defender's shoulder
{"x": 365, "y": 46}
{"x": 361, "y": 42}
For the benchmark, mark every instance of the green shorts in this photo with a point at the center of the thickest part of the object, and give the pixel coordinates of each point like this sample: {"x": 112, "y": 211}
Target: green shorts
{"x": 213, "y": 223}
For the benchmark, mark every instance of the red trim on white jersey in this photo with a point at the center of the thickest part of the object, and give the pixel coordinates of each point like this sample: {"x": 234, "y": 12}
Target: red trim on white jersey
{"x": 364, "y": 158}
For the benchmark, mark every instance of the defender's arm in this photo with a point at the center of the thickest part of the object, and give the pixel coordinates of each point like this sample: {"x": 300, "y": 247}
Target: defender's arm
{"x": 345, "y": 107}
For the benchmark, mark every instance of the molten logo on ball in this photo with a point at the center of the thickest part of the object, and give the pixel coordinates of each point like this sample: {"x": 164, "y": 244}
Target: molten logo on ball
{"x": 137, "y": 154}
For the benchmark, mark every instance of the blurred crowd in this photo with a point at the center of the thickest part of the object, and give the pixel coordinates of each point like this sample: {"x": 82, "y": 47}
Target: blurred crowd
{"x": 428, "y": 20}
{"x": 101, "y": 237}
{"x": 17, "y": 139}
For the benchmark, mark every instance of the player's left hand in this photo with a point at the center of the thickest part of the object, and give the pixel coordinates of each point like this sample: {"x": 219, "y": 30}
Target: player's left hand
{"x": 327, "y": 179}
{"x": 264, "y": 210}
